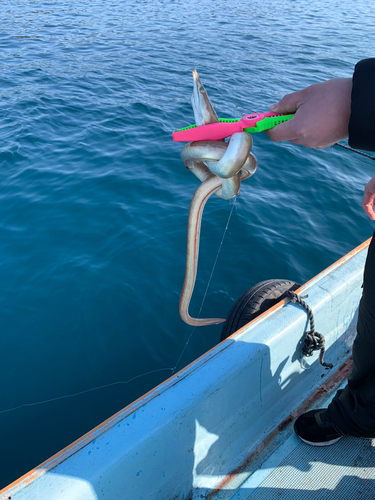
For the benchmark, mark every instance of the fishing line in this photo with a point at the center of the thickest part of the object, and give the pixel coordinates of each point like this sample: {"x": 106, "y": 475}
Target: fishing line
{"x": 25, "y": 405}
{"x": 348, "y": 148}
{"x": 208, "y": 284}
{"x": 85, "y": 391}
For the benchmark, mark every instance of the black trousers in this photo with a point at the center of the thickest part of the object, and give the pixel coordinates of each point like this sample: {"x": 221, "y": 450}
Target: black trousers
{"x": 353, "y": 408}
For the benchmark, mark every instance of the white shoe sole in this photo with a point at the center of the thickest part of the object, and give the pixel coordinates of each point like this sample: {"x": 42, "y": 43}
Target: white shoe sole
{"x": 325, "y": 443}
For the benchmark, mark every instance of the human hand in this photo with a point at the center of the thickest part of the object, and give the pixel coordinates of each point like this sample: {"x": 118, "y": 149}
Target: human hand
{"x": 368, "y": 199}
{"x": 322, "y": 113}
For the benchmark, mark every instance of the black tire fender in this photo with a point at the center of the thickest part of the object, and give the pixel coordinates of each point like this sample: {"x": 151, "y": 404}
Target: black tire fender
{"x": 254, "y": 302}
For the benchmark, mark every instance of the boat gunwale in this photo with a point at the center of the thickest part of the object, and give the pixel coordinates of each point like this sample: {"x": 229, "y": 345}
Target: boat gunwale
{"x": 111, "y": 421}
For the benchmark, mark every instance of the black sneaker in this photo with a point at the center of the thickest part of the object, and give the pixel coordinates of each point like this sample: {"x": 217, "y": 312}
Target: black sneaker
{"x": 316, "y": 428}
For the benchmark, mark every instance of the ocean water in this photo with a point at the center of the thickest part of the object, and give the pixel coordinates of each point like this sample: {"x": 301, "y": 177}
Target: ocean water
{"x": 94, "y": 196}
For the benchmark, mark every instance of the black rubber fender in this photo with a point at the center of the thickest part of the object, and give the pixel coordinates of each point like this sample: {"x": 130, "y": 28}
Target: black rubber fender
{"x": 254, "y": 302}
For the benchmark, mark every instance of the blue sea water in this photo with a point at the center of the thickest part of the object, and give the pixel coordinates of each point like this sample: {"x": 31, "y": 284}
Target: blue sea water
{"x": 94, "y": 197}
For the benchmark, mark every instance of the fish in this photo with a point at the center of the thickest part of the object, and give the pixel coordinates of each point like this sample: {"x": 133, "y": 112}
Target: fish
{"x": 195, "y": 156}
{"x": 204, "y": 112}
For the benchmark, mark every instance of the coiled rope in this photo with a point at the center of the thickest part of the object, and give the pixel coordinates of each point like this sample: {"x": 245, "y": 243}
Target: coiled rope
{"x": 314, "y": 341}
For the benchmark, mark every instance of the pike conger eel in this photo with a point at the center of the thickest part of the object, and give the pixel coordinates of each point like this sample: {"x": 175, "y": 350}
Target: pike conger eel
{"x": 201, "y": 195}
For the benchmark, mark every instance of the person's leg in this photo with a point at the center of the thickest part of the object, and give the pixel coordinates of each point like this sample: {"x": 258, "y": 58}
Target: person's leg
{"x": 352, "y": 410}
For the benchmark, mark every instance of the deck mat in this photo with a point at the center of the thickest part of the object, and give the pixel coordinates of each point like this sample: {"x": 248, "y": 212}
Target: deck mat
{"x": 345, "y": 470}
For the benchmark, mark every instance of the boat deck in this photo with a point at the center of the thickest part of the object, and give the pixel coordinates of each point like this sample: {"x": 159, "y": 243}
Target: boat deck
{"x": 297, "y": 471}
{"x": 343, "y": 471}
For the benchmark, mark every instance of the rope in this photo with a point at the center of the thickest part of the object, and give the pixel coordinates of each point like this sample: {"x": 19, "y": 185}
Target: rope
{"x": 314, "y": 341}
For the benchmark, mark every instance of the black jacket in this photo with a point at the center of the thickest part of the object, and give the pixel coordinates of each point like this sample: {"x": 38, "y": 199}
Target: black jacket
{"x": 362, "y": 119}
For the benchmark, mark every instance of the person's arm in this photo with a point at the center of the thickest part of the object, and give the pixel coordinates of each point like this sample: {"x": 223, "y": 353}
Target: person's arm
{"x": 331, "y": 111}
{"x": 362, "y": 122}
{"x": 362, "y": 119}
{"x": 322, "y": 113}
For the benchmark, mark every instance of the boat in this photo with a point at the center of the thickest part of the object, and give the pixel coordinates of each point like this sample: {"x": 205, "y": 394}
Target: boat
{"x": 222, "y": 428}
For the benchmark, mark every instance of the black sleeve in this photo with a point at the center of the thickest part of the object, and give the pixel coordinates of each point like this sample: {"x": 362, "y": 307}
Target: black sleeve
{"x": 362, "y": 119}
